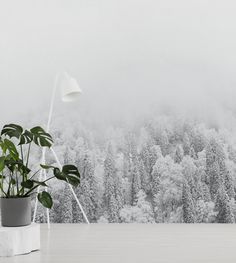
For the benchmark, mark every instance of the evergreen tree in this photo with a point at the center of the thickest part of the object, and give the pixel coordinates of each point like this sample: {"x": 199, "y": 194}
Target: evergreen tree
{"x": 225, "y": 213}
{"x": 118, "y": 192}
{"x": 109, "y": 174}
{"x": 156, "y": 175}
{"x": 113, "y": 210}
{"x": 155, "y": 154}
{"x": 164, "y": 143}
{"x": 192, "y": 153}
{"x": 66, "y": 215}
{"x": 215, "y": 179}
{"x": 146, "y": 157}
{"x": 89, "y": 189}
{"x": 198, "y": 140}
{"x": 188, "y": 207}
{"x": 186, "y": 144}
{"x": 205, "y": 212}
{"x": 140, "y": 213}
{"x": 55, "y": 212}
{"x": 215, "y": 166}
{"x": 189, "y": 169}
{"x": 145, "y": 182}
{"x": 135, "y": 183}
{"x": 229, "y": 185}
{"x": 113, "y": 187}
{"x": 206, "y": 192}
{"x": 179, "y": 154}
{"x": 158, "y": 208}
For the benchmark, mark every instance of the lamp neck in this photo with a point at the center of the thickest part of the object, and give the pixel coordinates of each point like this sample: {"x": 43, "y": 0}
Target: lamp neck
{"x": 52, "y": 103}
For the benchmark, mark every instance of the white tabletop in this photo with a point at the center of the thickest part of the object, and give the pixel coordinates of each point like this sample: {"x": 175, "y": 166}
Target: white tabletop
{"x": 19, "y": 240}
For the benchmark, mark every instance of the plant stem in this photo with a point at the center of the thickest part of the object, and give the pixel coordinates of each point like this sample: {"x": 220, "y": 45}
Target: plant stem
{"x": 1, "y": 187}
{"x": 17, "y": 184}
{"x": 22, "y": 155}
{"x": 9, "y": 184}
{"x": 2, "y": 183}
{"x": 27, "y": 160}
{"x": 48, "y": 179}
{"x": 22, "y": 188}
{"x": 34, "y": 174}
{"x": 32, "y": 189}
{"x": 36, "y": 186}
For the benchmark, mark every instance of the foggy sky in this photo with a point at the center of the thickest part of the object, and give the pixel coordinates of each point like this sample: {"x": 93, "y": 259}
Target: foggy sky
{"x": 129, "y": 56}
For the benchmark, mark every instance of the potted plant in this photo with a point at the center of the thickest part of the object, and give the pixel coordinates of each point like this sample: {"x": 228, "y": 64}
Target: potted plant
{"x": 17, "y": 181}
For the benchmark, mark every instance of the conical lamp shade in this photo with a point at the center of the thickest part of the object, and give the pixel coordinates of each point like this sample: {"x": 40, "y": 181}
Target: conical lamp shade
{"x": 70, "y": 90}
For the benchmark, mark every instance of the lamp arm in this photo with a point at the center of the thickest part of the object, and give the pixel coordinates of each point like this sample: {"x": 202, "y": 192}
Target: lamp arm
{"x": 44, "y": 149}
{"x": 52, "y": 103}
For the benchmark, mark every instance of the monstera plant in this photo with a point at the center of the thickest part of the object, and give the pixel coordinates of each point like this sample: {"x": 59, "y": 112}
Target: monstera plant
{"x": 18, "y": 182}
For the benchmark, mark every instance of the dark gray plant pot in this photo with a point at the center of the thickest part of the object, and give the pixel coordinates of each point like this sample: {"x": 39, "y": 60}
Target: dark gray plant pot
{"x": 16, "y": 211}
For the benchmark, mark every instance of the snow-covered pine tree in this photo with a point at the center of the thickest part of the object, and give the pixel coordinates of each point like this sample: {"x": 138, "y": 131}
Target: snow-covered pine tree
{"x": 146, "y": 157}
{"x": 135, "y": 182}
{"x": 113, "y": 210}
{"x": 189, "y": 169}
{"x": 215, "y": 166}
{"x": 156, "y": 176}
{"x": 188, "y": 207}
{"x": 66, "y": 214}
{"x": 186, "y": 144}
{"x": 89, "y": 188}
{"x": 119, "y": 191}
{"x": 154, "y": 155}
{"x": 206, "y": 192}
{"x": 140, "y": 213}
{"x": 192, "y": 153}
{"x": 179, "y": 154}
{"x": 225, "y": 213}
{"x": 113, "y": 187}
{"x": 205, "y": 212}
{"x": 229, "y": 185}
{"x": 198, "y": 139}
{"x": 216, "y": 181}
{"x": 109, "y": 173}
{"x": 145, "y": 180}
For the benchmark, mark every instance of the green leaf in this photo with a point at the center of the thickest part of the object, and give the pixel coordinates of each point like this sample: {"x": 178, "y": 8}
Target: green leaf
{"x": 41, "y": 138}
{"x": 28, "y": 184}
{"x": 26, "y": 137}
{"x": 12, "y": 130}
{"x": 46, "y": 167}
{"x": 73, "y": 180}
{"x": 58, "y": 174}
{"x": 69, "y": 174}
{"x": 70, "y": 170}
{"x": 72, "y": 174}
{"x": 3, "y": 146}
{"x": 45, "y": 199}
{"x": 10, "y": 164}
{"x": 23, "y": 169}
{"x": 17, "y": 164}
{"x": 11, "y": 149}
{"x": 2, "y": 163}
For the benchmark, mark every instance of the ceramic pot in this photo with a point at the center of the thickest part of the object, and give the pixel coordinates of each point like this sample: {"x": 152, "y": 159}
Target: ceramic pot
{"x": 16, "y": 211}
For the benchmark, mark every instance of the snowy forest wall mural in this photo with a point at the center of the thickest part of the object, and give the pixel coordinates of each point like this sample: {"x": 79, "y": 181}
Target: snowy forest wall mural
{"x": 163, "y": 170}
{"x": 154, "y": 131}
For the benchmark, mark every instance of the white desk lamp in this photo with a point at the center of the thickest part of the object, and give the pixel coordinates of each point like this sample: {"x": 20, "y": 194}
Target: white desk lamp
{"x": 70, "y": 91}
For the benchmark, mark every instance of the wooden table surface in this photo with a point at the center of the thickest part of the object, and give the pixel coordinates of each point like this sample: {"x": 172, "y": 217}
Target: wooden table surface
{"x": 108, "y": 243}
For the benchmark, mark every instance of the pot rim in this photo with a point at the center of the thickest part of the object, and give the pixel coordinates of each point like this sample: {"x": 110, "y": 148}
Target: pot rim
{"x": 14, "y": 197}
